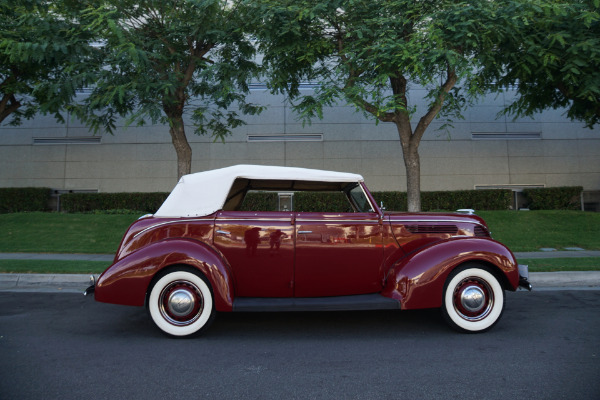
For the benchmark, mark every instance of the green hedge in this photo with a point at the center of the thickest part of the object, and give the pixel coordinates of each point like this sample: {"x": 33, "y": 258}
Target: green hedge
{"x": 87, "y": 202}
{"x": 321, "y": 202}
{"x": 259, "y": 201}
{"x": 497, "y": 199}
{"x": 558, "y": 198}
{"x": 303, "y": 202}
{"x": 393, "y": 201}
{"x": 24, "y": 199}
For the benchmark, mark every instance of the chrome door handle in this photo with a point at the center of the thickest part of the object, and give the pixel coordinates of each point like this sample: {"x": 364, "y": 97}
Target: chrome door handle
{"x": 223, "y": 232}
{"x": 304, "y": 232}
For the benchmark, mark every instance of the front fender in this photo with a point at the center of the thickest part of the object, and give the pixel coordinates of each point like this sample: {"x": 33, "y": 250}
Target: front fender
{"x": 127, "y": 280}
{"x": 417, "y": 280}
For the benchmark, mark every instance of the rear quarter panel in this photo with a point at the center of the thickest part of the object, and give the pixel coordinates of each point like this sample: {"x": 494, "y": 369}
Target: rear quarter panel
{"x": 150, "y": 230}
{"x": 153, "y": 244}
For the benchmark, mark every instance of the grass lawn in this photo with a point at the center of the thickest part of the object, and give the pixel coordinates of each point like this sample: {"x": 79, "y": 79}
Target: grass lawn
{"x": 96, "y": 267}
{"x": 533, "y": 230}
{"x": 101, "y": 233}
{"x": 40, "y": 232}
{"x": 52, "y": 267}
{"x": 561, "y": 264}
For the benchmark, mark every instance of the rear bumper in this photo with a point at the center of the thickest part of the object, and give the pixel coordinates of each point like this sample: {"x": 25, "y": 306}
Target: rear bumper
{"x": 524, "y": 277}
{"x": 90, "y": 290}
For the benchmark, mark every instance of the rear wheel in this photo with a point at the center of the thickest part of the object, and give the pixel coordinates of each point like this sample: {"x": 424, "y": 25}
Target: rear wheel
{"x": 473, "y": 299}
{"x": 181, "y": 303}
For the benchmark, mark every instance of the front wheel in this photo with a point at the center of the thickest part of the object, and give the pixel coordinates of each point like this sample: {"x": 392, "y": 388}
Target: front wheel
{"x": 181, "y": 303}
{"x": 473, "y": 299}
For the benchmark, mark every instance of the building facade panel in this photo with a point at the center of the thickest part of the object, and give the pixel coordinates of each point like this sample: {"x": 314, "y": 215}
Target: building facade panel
{"x": 481, "y": 150}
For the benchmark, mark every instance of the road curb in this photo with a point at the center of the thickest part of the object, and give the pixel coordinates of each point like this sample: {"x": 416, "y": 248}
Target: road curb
{"x": 44, "y": 282}
{"x": 565, "y": 279}
{"x": 79, "y": 282}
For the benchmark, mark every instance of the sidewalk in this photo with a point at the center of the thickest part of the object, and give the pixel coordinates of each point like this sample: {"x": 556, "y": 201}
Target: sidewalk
{"x": 73, "y": 283}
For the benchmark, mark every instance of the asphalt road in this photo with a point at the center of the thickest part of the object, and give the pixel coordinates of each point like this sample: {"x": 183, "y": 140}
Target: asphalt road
{"x": 65, "y": 346}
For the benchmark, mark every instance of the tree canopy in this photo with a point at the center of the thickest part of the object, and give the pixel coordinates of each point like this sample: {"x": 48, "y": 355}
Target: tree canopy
{"x": 44, "y": 54}
{"x": 551, "y": 53}
{"x": 371, "y": 52}
{"x": 163, "y": 58}
{"x": 156, "y": 60}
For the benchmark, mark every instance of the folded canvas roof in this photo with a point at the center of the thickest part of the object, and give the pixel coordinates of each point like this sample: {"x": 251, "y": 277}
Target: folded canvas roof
{"x": 203, "y": 193}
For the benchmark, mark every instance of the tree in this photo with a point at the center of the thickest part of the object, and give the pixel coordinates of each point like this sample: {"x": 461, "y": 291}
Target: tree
{"x": 370, "y": 52}
{"x": 43, "y": 56}
{"x": 552, "y": 54}
{"x": 163, "y": 58}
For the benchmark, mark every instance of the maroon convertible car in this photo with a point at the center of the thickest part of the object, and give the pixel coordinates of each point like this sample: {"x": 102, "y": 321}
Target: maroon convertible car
{"x": 200, "y": 254}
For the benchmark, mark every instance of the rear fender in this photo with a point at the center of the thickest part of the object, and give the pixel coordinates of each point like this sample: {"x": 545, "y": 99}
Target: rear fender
{"x": 127, "y": 280}
{"x": 417, "y": 280}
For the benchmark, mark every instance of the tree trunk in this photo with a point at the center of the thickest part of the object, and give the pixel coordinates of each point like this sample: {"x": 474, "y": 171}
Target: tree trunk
{"x": 412, "y": 163}
{"x": 410, "y": 139}
{"x": 8, "y": 105}
{"x": 182, "y": 147}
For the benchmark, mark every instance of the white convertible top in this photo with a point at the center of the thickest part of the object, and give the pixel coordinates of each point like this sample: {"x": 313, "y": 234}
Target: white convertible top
{"x": 203, "y": 193}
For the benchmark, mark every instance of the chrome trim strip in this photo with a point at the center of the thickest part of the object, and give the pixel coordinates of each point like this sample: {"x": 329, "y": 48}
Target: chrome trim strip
{"x": 219, "y": 220}
{"x": 335, "y": 221}
{"x": 457, "y": 221}
{"x": 170, "y": 222}
{"x": 373, "y": 206}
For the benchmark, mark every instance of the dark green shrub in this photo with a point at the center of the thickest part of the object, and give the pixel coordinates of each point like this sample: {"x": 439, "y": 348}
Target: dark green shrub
{"x": 497, "y": 199}
{"x": 392, "y": 201}
{"x": 87, "y": 202}
{"x": 259, "y": 201}
{"x": 303, "y": 202}
{"x": 321, "y": 202}
{"x": 558, "y": 198}
{"x": 24, "y": 199}
{"x": 493, "y": 199}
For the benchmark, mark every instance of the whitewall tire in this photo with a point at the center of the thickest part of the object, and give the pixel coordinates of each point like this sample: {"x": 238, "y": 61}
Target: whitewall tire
{"x": 473, "y": 299}
{"x": 181, "y": 303}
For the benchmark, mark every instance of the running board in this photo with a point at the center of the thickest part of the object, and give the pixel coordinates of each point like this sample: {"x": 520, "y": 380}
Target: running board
{"x": 339, "y": 303}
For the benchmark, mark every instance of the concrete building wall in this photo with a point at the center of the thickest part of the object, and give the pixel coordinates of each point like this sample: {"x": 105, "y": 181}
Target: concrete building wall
{"x": 558, "y": 152}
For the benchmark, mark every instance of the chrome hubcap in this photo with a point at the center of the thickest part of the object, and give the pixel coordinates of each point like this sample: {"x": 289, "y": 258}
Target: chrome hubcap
{"x": 181, "y": 303}
{"x": 472, "y": 298}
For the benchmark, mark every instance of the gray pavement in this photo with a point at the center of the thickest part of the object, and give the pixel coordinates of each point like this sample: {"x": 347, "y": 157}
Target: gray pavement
{"x": 64, "y": 346}
{"x": 78, "y": 282}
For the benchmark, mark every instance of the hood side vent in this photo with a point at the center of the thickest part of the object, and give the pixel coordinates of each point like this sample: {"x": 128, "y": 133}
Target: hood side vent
{"x": 432, "y": 229}
{"x": 480, "y": 231}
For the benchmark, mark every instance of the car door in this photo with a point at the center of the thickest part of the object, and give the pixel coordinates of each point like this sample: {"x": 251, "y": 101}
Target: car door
{"x": 338, "y": 254}
{"x": 259, "y": 247}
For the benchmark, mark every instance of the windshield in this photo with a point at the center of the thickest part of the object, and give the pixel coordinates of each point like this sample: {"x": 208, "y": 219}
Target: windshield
{"x": 359, "y": 199}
